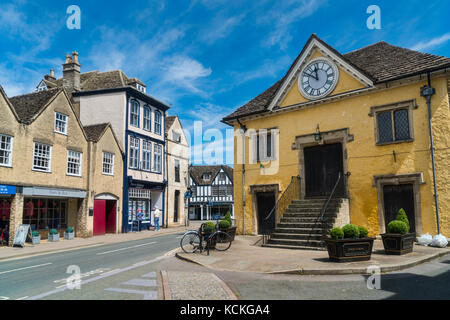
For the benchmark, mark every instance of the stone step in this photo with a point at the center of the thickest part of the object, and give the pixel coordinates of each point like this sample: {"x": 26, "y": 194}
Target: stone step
{"x": 308, "y": 220}
{"x": 293, "y": 242}
{"x": 294, "y": 236}
{"x": 283, "y": 246}
{"x": 310, "y": 210}
{"x": 316, "y": 202}
{"x": 290, "y": 225}
{"x": 308, "y": 215}
{"x": 313, "y": 231}
{"x": 312, "y": 206}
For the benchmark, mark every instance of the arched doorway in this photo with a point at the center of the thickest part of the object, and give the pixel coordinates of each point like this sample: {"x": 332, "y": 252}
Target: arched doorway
{"x": 105, "y": 214}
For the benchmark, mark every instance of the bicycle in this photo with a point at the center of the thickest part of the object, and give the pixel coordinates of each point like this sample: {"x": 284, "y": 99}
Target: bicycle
{"x": 202, "y": 239}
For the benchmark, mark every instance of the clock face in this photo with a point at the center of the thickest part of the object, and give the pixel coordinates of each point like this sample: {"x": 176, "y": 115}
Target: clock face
{"x": 318, "y": 79}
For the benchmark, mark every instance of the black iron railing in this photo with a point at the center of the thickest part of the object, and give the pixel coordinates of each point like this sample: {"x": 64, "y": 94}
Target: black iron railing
{"x": 292, "y": 192}
{"x": 324, "y": 209}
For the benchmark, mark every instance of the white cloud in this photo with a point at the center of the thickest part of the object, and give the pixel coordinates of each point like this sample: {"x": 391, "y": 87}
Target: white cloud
{"x": 220, "y": 28}
{"x": 431, "y": 43}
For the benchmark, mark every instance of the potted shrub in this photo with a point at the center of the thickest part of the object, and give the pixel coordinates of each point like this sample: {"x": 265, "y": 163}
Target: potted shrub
{"x": 53, "y": 235}
{"x": 351, "y": 243}
{"x": 226, "y": 225}
{"x": 209, "y": 228}
{"x": 69, "y": 234}
{"x": 35, "y": 237}
{"x": 398, "y": 240}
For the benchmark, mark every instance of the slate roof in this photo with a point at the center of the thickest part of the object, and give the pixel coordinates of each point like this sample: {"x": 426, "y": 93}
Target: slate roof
{"x": 381, "y": 62}
{"x": 197, "y": 172}
{"x": 95, "y": 132}
{"x": 27, "y": 106}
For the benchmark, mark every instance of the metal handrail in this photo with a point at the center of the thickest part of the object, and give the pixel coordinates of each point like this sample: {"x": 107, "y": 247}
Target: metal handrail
{"x": 331, "y": 196}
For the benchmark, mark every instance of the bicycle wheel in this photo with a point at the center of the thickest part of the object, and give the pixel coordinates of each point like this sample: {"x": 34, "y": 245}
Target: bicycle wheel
{"x": 190, "y": 242}
{"x": 222, "y": 240}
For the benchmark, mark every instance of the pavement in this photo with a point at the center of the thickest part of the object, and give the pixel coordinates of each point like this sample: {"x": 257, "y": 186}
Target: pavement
{"x": 46, "y": 247}
{"x": 245, "y": 255}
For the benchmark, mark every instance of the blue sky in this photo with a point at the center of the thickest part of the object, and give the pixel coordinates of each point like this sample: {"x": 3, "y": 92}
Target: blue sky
{"x": 204, "y": 57}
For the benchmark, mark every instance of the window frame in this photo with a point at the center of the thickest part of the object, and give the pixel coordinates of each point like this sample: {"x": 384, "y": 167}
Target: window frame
{"x": 104, "y": 153}
{"x": 147, "y": 151}
{"x": 263, "y": 134}
{"x": 177, "y": 174}
{"x": 133, "y": 115}
{"x": 134, "y": 149}
{"x": 409, "y": 105}
{"x": 155, "y": 155}
{"x": 11, "y": 145}
{"x": 66, "y": 122}
{"x": 147, "y": 121}
{"x": 158, "y": 125}
{"x": 50, "y": 147}
{"x": 80, "y": 164}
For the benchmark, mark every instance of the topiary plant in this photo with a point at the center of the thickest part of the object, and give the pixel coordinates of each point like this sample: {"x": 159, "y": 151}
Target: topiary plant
{"x": 350, "y": 231}
{"x": 363, "y": 232}
{"x": 53, "y": 231}
{"x": 35, "y": 234}
{"x": 337, "y": 233}
{"x": 224, "y": 224}
{"x": 397, "y": 226}
{"x": 403, "y": 217}
{"x": 228, "y": 217}
{"x": 209, "y": 227}
{"x": 69, "y": 230}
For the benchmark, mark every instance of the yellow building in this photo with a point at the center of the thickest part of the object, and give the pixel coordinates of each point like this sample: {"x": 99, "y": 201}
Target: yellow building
{"x": 356, "y": 123}
{"x": 51, "y": 168}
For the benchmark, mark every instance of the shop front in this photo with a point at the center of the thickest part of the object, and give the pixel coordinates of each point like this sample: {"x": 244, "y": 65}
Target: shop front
{"x": 7, "y": 194}
{"x": 143, "y": 197}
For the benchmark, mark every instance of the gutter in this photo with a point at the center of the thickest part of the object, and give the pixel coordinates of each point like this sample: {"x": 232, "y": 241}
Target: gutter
{"x": 427, "y": 92}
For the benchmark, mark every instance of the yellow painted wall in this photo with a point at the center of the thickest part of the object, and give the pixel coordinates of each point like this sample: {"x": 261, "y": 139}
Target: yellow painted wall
{"x": 365, "y": 159}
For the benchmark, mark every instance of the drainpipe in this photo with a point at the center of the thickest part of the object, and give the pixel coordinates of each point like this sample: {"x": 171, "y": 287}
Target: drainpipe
{"x": 427, "y": 92}
{"x": 244, "y": 128}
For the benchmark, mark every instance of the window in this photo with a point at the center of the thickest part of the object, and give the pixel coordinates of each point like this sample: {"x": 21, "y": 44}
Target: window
{"x": 108, "y": 163}
{"x": 147, "y": 118}
{"x": 393, "y": 123}
{"x": 146, "y": 155}
{"x": 177, "y": 171}
{"x": 44, "y": 214}
{"x": 157, "y": 158}
{"x": 206, "y": 176}
{"x": 73, "y": 163}
{"x": 134, "y": 113}
{"x": 140, "y": 87}
{"x": 60, "y": 123}
{"x": 134, "y": 153}
{"x": 176, "y": 136}
{"x": 6, "y": 144}
{"x": 222, "y": 177}
{"x": 265, "y": 145}
{"x": 222, "y": 191}
{"x": 157, "y": 122}
{"x": 42, "y": 157}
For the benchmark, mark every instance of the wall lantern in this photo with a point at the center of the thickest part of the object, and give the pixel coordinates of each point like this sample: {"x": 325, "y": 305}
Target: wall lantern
{"x": 317, "y": 134}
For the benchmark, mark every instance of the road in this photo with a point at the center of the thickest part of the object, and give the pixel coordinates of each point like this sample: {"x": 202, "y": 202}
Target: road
{"x": 130, "y": 270}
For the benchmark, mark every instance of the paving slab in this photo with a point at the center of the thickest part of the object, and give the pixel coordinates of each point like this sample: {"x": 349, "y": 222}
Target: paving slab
{"x": 245, "y": 256}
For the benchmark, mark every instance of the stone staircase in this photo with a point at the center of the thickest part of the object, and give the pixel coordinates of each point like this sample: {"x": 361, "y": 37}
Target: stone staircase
{"x": 300, "y": 226}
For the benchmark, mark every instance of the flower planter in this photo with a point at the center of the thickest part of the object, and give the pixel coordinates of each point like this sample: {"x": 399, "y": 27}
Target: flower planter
{"x": 398, "y": 244}
{"x": 69, "y": 235}
{"x": 349, "y": 250}
{"x": 36, "y": 239}
{"x": 231, "y": 231}
{"x": 53, "y": 237}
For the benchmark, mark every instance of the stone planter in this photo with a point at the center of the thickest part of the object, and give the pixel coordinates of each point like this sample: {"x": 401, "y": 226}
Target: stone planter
{"x": 36, "y": 239}
{"x": 231, "y": 231}
{"x": 398, "y": 244}
{"x": 348, "y": 250}
{"x": 69, "y": 235}
{"x": 53, "y": 237}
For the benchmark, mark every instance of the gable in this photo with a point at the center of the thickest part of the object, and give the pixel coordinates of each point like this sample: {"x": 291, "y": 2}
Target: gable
{"x": 345, "y": 83}
{"x": 8, "y": 116}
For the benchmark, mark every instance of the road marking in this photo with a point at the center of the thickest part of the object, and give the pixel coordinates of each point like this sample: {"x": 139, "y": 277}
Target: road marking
{"x": 139, "y": 245}
{"x": 102, "y": 276}
{"x": 36, "y": 266}
{"x": 23, "y": 298}
{"x": 148, "y": 295}
{"x": 149, "y": 275}
{"x": 141, "y": 283}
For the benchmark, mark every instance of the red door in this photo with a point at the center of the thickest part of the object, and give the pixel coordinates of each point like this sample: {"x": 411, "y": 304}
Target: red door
{"x": 111, "y": 216}
{"x": 99, "y": 217}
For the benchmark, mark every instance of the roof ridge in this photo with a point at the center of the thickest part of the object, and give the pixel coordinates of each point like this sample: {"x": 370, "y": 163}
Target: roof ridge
{"x": 36, "y": 92}
{"x": 368, "y": 46}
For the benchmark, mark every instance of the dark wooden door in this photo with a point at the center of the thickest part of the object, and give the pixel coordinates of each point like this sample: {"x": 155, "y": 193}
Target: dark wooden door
{"x": 265, "y": 202}
{"x": 322, "y": 167}
{"x": 176, "y": 205}
{"x": 397, "y": 197}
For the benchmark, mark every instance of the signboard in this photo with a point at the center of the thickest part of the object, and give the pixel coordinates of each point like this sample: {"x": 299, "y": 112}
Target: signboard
{"x": 7, "y": 189}
{"x": 21, "y": 235}
{"x": 50, "y": 192}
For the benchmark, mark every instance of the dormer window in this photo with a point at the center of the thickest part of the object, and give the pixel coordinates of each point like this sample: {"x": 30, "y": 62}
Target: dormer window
{"x": 60, "y": 123}
{"x": 206, "y": 176}
{"x": 141, "y": 88}
{"x": 42, "y": 86}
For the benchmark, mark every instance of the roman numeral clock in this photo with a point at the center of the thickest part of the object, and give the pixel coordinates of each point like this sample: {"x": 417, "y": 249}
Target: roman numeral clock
{"x": 318, "y": 79}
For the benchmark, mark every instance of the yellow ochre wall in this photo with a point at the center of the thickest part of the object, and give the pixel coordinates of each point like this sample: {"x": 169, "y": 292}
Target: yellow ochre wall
{"x": 365, "y": 159}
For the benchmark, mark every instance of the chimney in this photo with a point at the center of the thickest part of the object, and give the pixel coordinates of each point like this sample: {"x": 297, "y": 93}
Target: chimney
{"x": 51, "y": 76}
{"x": 71, "y": 72}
